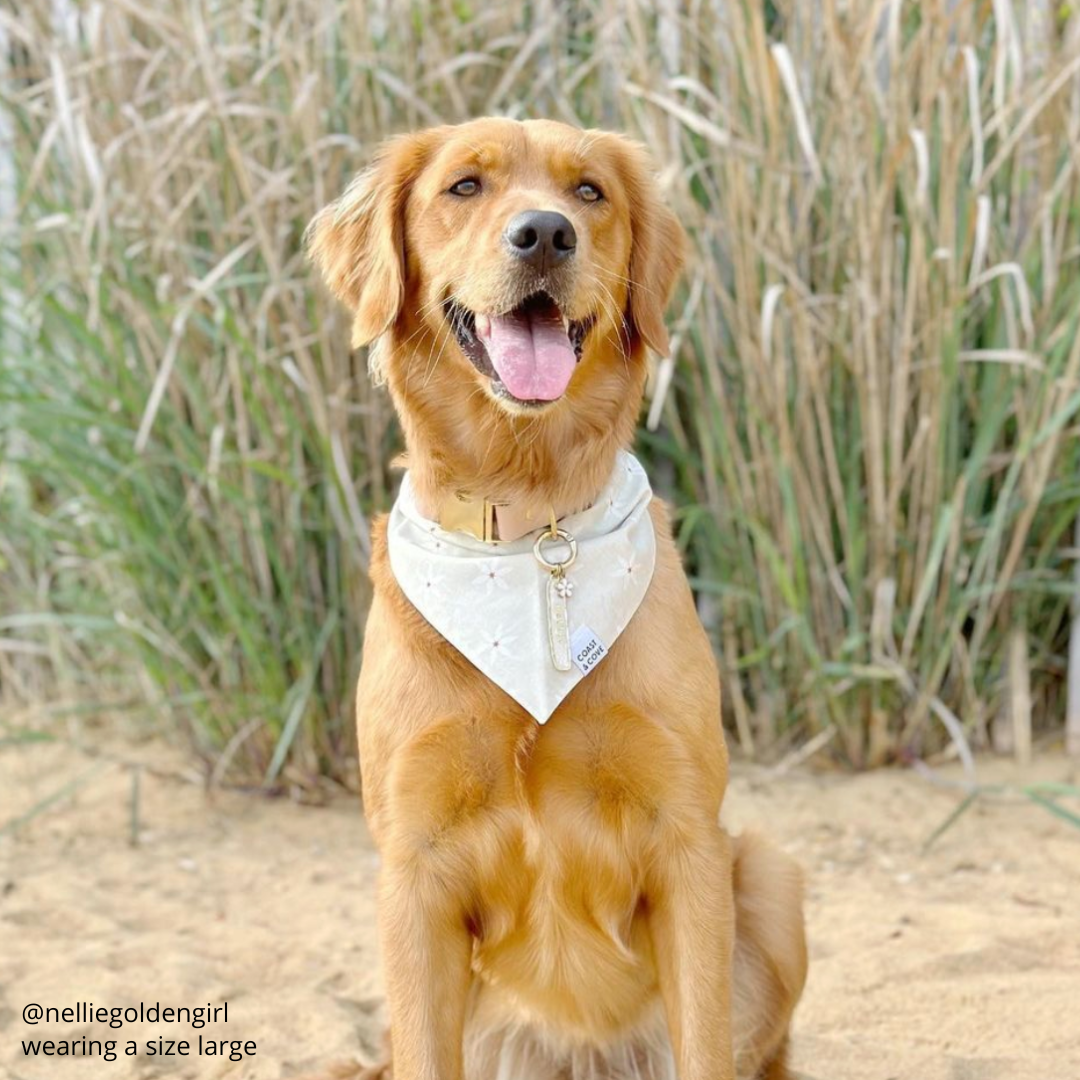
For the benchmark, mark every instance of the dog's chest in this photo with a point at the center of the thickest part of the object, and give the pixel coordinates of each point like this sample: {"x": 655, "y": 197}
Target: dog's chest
{"x": 552, "y": 833}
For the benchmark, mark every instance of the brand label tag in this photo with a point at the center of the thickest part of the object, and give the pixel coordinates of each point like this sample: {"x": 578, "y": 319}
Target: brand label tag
{"x": 586, "y": 649}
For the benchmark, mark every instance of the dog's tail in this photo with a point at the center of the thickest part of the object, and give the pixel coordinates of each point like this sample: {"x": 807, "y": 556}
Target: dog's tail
{"x": 770, "y": 956}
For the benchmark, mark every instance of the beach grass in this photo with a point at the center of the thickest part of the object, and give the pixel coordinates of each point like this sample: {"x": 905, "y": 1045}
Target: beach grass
{"x": 868, "y": 426}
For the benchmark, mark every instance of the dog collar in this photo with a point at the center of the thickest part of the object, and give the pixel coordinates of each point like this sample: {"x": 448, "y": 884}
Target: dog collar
{"x": 535, "y": 614}
{"x": 490, "y": 521}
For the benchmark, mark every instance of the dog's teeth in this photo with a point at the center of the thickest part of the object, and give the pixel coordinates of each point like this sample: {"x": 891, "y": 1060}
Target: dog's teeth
{"x": 483, "y": 326}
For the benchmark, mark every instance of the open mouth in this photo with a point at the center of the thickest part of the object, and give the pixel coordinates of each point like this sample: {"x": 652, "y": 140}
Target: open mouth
{"x": 529, "y": 353}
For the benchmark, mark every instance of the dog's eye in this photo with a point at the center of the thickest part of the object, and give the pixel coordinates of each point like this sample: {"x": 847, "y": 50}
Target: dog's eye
{"x": 469, "y": 186}
{"x": 589, "y": 193}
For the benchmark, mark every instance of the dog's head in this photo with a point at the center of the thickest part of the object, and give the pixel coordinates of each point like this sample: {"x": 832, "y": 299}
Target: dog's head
{"x": 521, "y": 256}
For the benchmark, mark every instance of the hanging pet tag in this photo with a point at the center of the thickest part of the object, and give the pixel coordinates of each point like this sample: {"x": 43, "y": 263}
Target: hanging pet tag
{"x": 559, "y": 590}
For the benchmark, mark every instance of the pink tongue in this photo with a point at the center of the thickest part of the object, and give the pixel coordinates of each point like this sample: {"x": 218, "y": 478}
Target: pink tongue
{"x": 532, "y": 354}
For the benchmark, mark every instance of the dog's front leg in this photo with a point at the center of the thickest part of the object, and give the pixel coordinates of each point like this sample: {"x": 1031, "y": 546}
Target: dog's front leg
{"x": 427, "y": 953}
{"x": 692, "y": 921}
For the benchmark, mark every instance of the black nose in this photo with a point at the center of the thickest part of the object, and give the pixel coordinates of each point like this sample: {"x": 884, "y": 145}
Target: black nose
{"x": 541, "y": 237}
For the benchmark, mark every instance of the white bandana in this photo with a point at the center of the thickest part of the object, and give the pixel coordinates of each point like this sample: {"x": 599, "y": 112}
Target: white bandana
{"x": 490, "y": 600}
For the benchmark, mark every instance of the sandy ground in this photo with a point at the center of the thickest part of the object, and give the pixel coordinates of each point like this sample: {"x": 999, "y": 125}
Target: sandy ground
{"x": 958, "y": 964}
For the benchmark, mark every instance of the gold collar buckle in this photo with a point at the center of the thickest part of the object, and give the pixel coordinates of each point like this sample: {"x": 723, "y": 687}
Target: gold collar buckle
{"x": 473, "y": 516}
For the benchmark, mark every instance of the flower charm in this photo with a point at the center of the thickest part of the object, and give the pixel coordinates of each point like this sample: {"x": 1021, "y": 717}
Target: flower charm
{"x": 564, "y": 587}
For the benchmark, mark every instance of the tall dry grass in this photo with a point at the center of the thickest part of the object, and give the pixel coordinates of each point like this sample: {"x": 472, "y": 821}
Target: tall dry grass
{"x": 869, "y": 426}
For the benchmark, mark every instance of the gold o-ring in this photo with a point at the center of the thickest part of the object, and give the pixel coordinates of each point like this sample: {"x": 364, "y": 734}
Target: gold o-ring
{"x": 559, "y": 534}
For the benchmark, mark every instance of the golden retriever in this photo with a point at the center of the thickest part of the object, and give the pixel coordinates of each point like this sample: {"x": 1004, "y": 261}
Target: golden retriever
{"x": 557, "y": 902}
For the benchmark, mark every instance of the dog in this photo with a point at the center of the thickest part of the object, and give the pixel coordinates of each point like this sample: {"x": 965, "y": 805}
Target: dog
{"x": 557, "y": 899}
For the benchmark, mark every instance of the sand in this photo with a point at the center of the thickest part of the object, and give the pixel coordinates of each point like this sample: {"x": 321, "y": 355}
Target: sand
{"x": 962, "y": 963}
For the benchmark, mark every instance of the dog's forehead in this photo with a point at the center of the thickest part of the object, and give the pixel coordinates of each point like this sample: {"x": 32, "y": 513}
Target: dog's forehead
{"x": 519, "y": 148}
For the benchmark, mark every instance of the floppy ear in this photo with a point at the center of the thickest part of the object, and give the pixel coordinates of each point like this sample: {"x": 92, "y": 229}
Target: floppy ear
{"x": 658, "y": 249}
{"x": 358, "y": 242}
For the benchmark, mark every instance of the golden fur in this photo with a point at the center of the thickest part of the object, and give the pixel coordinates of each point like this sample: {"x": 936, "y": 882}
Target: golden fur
{"x": 556, "y": 903}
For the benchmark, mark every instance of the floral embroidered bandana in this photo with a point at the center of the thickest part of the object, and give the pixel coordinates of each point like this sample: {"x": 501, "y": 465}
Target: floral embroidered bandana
{"x": 494, "y": 601}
